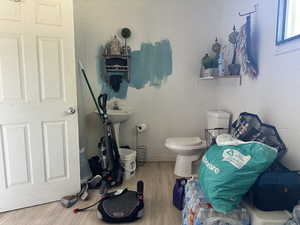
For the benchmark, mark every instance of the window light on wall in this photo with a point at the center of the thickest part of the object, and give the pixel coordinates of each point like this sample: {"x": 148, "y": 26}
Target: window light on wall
{"x": 288, "y": 21}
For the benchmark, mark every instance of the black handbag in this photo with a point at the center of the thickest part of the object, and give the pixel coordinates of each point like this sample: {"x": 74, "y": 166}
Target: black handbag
{"x": 278, "y": 190}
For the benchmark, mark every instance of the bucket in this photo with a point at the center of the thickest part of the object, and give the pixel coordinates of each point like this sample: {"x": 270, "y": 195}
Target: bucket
{"x": 128, "y": 159}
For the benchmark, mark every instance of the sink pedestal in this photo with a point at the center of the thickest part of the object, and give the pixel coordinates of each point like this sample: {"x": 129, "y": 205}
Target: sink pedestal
{"x": 117, "y": 117}
{"x": 117, "y": 132}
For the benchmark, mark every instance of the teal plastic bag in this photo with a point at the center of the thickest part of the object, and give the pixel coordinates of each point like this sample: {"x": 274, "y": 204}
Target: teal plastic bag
{"x": 227, "y": 172}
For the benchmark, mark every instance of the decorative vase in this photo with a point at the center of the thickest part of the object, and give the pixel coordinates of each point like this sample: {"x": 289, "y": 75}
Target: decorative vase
{"x": 234, "y": 69}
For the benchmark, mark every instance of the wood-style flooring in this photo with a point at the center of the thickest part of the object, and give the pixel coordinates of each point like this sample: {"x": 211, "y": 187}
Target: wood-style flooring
{"x": 158, "y": 179}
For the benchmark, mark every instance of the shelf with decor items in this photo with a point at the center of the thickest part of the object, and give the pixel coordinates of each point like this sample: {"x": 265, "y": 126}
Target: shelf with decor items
{"x": 218, "y": 66}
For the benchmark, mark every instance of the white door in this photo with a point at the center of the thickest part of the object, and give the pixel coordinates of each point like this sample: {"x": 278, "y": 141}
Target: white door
{"x": 39, "y": 150}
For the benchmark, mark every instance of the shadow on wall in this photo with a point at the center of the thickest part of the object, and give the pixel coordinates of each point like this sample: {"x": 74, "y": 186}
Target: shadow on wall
{"x": 149, "y": 66}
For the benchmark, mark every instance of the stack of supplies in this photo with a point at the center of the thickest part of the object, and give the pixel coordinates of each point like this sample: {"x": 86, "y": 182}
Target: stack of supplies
{"x": 197, "y": 210}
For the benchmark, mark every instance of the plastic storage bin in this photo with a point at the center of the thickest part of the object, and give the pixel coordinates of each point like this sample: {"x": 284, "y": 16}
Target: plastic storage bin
{"x": 259, "y": 217}
{"x": 128, "y": 159}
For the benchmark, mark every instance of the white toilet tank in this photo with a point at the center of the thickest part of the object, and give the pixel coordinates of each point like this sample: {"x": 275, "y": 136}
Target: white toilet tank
{"x": 218, "y": 119}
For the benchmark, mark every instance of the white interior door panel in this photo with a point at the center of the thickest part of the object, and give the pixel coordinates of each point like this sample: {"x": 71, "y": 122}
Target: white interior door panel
{"x": 39, "y": 150}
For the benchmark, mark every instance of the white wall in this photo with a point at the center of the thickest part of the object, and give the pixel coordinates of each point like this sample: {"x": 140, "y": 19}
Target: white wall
{"x": 79, "y": 52}
{"x": 274, "y": 95}
{"x": 179, "y": 107}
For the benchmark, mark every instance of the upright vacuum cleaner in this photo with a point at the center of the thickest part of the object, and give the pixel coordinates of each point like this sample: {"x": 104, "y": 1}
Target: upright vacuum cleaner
{"x": 109, "y": 157}
{"x": 122, "y": 205}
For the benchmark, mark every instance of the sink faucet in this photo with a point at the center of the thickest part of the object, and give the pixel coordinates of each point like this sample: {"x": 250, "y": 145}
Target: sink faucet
{"x": 116, "y": 105}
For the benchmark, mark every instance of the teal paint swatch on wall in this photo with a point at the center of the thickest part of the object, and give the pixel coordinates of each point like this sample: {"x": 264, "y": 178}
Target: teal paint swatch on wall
{"x": 149, "y": 66}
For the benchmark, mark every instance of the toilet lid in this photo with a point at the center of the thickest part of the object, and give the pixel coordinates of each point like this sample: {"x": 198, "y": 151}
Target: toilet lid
{"x": 184, "y": 141}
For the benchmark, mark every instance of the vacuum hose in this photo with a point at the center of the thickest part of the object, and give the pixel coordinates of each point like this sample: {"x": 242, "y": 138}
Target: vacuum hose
{"x": 83, "y": 209}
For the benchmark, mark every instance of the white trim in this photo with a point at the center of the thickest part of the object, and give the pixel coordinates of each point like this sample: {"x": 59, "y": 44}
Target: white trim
{"x": 288, "y": 47}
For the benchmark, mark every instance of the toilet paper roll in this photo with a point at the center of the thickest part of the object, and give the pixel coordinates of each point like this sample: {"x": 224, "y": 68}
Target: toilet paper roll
{"x": 141, "y": 127}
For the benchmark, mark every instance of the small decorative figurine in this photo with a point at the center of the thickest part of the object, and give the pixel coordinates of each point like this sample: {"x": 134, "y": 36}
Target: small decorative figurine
{"x": 216, "y": 47}
{"x": 115, "y": 46}
{"x": 234, "y": 68}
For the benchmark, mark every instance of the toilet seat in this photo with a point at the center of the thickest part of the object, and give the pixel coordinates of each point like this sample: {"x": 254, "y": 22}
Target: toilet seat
{"x": 184, "y": 143}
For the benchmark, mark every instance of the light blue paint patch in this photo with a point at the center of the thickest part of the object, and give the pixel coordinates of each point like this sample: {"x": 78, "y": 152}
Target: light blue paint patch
{"x": 164, "y": 57}
{"x": 149, "y": 66}
{"x": 136, "y": 76}
{"x": 162, "y": 63}
{"x": 121, "y": 94}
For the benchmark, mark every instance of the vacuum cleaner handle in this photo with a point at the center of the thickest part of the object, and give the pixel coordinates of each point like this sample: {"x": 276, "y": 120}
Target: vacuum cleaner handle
{"x": 89, "y": 86}
{"x": 102, "y": 100}
{"x": 140, "y": 188}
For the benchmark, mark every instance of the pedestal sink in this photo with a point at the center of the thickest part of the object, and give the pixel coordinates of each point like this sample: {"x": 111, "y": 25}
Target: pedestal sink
{"x": 118, "y": 116}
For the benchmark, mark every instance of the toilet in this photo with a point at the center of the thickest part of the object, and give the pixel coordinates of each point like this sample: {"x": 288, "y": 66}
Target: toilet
{"x": 190, "y": 149}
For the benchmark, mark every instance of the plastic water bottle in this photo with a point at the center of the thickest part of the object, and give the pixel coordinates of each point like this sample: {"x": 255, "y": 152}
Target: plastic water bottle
{"x": 203, "y": 214}
{"x": 196, "y": 205}
{"x": 291, "y": 222}
{"x": 221, "y": 64}
{"x": 296, "y": 214}
{"x": 221, "y": 220}
{"x": 211, "y": 213}
{"x": 245, "y": 218}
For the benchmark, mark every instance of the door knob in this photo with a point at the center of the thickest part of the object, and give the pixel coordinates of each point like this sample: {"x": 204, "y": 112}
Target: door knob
{"x": 71, "y": 111}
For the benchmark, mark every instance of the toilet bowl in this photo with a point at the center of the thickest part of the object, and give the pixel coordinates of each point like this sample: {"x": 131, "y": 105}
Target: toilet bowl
{"x": 188, "y": 150}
